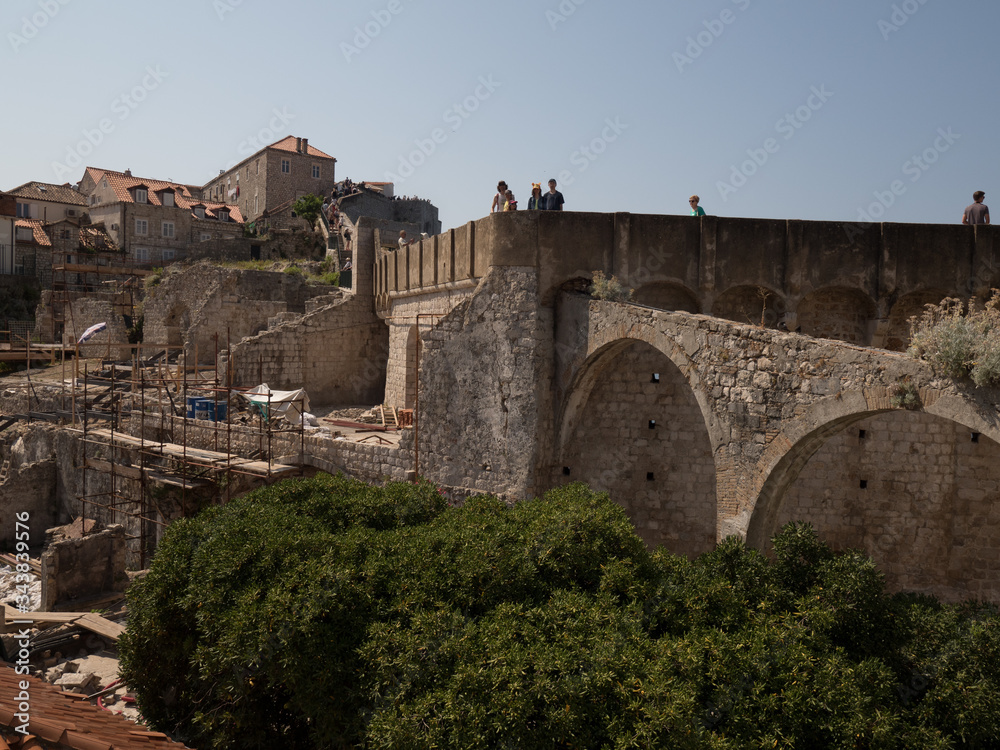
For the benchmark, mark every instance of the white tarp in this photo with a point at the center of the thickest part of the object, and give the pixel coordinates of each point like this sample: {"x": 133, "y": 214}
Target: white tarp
{"x": 288, "y": 404}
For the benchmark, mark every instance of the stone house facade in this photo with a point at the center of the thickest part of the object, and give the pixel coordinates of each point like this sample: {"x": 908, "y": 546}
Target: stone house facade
{"x": 154, "y": 221}
{"x": 273, "y": 177}
{"x": 7, "y": 208}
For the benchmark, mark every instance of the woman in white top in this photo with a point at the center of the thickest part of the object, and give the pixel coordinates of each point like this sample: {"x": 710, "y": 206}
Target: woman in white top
{"x": 500, "y": 198}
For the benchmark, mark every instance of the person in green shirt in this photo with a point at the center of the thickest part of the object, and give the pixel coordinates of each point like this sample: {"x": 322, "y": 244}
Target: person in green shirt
{"x": 696, "y": 210}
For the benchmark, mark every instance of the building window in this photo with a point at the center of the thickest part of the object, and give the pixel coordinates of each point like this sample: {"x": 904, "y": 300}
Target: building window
{"x": 315, "y": 171}
{"x": 141, "y": 226}
{"x": 142, "y": 254}
{"x": 169, "y": 254}
{"x": 168, "y": 229}
{"x": 24, "y": 210}
{"x": 140, "y": 195}
{"x": 256, "y": 209}
{"x": 24, "y": 234}
{"x": 258, "y": 166}
{"x": 286, "y": 166}
{"x": 64, "y": 234}
{"x": 168, "y": 199}
{"x": 199, "y": 211}
{"x": 223, "y": 214}
{"x": 205, "y": 236}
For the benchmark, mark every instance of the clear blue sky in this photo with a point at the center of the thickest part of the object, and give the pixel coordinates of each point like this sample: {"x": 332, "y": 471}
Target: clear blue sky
{"x": 765, "y": 108}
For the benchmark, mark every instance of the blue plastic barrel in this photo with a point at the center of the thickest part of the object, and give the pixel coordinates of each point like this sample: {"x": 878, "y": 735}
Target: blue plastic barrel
{"x": 192, "y": 406}
{"x": 210, "y": 409}
{"x": 201, "y": 408}
{"x": 221, "y": 409}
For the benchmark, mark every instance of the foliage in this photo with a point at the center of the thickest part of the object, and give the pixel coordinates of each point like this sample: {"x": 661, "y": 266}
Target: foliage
{"x": 293, "y": 270}
{"x": 308, "y": 207}
{"x": 135, "y": 330}
{"x": 153, "y": 279}
{"x": 609, "y": 289}
{"x": 905, "y": 394}
{"x": 326, "y": 613}
{"x": 959, "y": 340}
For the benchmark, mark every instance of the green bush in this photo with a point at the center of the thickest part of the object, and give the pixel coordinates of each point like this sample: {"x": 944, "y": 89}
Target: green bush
{"x": 308, "y": 207}
{"x": 960, "y": 340}
{"x": 326, "y": 613}
{"x": 609, "y": 289}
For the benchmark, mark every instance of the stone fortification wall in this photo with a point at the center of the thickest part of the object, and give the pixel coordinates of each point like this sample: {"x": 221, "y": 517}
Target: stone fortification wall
{"x": 485, "y": 375}
{"x": 831, "y": 279}
{"x": 337, "y": 353}
{"x": 111, "y": 343}
{"x": 195, "y": 304}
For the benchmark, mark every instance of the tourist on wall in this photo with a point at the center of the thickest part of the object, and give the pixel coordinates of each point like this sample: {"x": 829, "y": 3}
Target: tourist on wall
{"x": 977, "y": 212}
{"x": 552, "y": 200}
{"x": 499, "y": 198}
{"x": 535, "y": 201}
{"x": 403, "y": 241}
{"x": 509, "y": 203}
{"x": 696, "y": 210}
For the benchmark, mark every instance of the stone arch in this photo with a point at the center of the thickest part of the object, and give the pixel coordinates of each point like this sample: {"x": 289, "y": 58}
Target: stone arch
{"x": 634, "y": 428}
{"x": 667, "y": 295}
{"x": 838, "y": 313}
{"x": 410, "y": 369}
{"x": 745, "y": 305}
{"x": 916, "y": 490}
{"x": 897, "y": 334}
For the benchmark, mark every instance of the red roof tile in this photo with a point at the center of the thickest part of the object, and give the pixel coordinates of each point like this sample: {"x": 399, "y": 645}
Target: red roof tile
{"x": 70, "y": 721}
{"x": 44, "y": 191}
{"x": 38, "y": 231}
{"x": 288, "y": 144}
{"x": 124, "y": 185}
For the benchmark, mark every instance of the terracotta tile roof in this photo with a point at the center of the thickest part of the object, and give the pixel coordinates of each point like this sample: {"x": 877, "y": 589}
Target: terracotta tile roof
{"x": 184, "y": 196}
{"x": 288, "y": 144}
{"x": 67, "y": 721}
{"x": 43, "y": 191}
{"x": 38, "y": 230}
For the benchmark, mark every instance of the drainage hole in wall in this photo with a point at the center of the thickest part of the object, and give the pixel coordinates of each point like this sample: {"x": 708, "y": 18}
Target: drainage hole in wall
{"x": 864, "y": 484}
{"x": 649, "y": 476}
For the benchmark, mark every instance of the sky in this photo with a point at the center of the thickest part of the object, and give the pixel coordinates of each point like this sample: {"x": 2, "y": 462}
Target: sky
{"x": 844, "y": 110}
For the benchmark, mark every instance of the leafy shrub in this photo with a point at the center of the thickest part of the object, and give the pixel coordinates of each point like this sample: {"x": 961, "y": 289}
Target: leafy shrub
{"x": 959, "y": 340}
{"x": 293, "y": 270}
{"x": 325, "y": 613}
{"x": 609, "y": 289}
{"x": 308, "y": 207}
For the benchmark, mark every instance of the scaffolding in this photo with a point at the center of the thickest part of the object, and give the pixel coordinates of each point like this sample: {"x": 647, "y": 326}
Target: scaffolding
{"x": 71, "y": 281}
{"x": 154, "y": 426}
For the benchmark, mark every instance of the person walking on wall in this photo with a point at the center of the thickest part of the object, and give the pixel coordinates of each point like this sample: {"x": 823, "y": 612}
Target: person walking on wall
{"x": 552, "y": 200}
{"x": 977, "y": 212}
{"x": 535, "y": 201}
{"x": 500, "y": 198}
{"x": 696, "y": 210}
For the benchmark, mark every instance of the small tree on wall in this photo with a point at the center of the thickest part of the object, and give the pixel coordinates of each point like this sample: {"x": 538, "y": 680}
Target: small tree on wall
{"x": 308, "y": 207}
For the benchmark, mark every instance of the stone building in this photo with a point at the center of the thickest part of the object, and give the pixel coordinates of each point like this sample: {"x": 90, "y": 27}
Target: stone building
{"x": 274, "y": 178}
{"x": 7, "y": 209}
{"x": 153, "y": 221}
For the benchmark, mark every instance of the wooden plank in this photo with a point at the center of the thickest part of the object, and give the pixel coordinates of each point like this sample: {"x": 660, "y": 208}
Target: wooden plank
{"x": 106, "y": 466}
{"x": 11, "y": 613}
{"x": 103, "y": 627}
{"x": 11, "y": 560}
